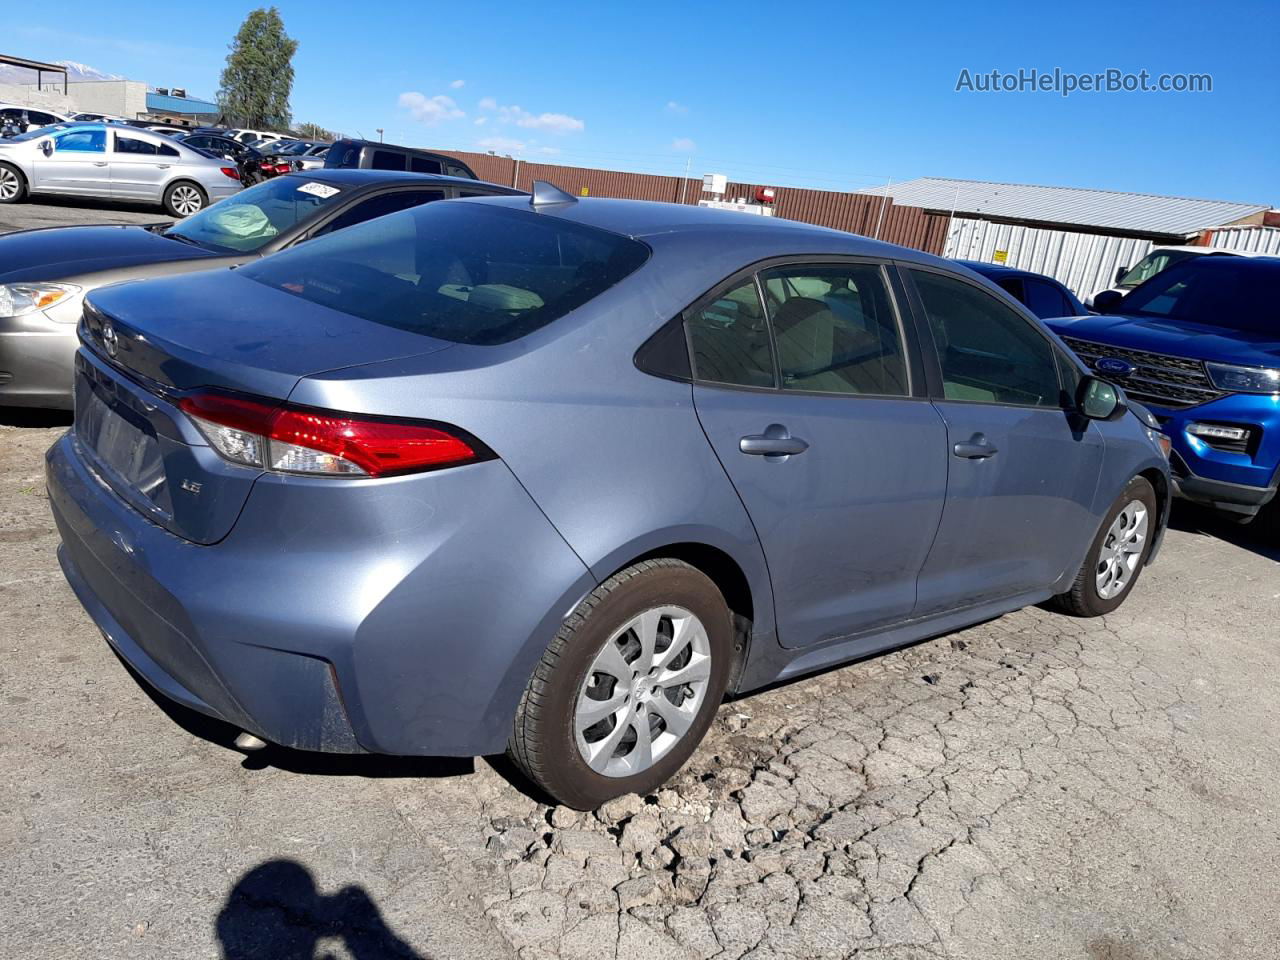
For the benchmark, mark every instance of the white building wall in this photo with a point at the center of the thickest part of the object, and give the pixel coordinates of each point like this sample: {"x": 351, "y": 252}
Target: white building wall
{"x": 1085, "y": 262}
{"x": 27, "y": 95}
{"x": 121, "y": 98}
{"x": 1252, "y": 239}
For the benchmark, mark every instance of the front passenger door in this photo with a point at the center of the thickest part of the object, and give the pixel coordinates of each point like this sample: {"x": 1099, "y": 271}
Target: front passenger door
{"x": 1023, "y": 469}
{"x": 77, "y": 163}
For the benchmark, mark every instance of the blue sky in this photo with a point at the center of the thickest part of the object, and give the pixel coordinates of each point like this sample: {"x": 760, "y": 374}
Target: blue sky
{"x": 828, "y": 95}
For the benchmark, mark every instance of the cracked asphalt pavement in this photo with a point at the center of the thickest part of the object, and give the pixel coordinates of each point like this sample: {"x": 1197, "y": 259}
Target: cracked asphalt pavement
{"x": 1032, "y": 787}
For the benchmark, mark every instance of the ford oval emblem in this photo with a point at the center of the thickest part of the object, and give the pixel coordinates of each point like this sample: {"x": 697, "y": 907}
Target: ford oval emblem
{"x": 109, "y": 339}
{"x": 1115, "y": 366}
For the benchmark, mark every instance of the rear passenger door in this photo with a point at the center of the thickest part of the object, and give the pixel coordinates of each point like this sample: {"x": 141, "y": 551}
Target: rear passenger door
{"x": 807, "y": 387}
{"x": 1022, "y": 469}
{"x": 139, "y": 167}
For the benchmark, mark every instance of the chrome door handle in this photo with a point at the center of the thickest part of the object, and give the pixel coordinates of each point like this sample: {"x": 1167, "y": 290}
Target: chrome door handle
{"x": 163, "y": 166}
{"x": 776, "y": 441}
{"x": 977, "y": 448}
{"x": 99, "y": 163}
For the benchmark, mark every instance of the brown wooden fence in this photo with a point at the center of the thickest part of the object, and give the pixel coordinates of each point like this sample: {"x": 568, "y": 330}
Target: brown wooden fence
{"x": 871, "y": 215}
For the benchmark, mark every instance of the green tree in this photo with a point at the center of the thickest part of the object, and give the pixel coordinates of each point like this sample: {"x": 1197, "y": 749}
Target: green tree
{"x": 313, "y": 131}
{"x": 258, "y": 78}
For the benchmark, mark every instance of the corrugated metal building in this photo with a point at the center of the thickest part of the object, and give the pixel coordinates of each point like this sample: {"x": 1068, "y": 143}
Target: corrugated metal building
{"x": 1078, "y": 236}
{"x": 872, "y": 215}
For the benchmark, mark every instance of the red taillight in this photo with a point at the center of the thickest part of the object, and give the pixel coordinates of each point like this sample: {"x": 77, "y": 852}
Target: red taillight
{"x": 231, "y": 172}
{"x": 306, "y": 440}
{"x": 264, "y": 165}
{"x": 283, "y": 168}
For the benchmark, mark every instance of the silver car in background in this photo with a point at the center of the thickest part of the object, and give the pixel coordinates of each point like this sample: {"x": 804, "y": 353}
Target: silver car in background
{"x": 113, "y": 163}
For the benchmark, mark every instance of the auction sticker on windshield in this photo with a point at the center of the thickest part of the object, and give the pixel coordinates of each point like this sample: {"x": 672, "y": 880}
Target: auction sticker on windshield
{"x": 321, "y": 190}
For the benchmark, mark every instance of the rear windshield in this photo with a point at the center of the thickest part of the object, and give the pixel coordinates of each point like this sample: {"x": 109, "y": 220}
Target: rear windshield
{"x": 249, "y": 219}
{"x": 343, "y": 154}
{"x": 457, "y": 270}
{"x": 1230, "y": 292}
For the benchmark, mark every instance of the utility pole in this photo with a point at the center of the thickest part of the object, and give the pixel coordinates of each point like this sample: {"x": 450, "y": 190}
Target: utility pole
{"x": 688, "y": 165}
{"x": 884, "y": 202}
{"x": 379, "y": 134}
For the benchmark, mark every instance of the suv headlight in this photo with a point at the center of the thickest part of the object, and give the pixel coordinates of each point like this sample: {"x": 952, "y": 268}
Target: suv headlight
{"x": 1226, "y": 376}
{"x": 17, "y": 299}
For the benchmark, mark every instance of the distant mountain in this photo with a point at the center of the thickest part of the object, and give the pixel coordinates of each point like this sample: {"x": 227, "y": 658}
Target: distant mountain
{"x": 75, "y": 72}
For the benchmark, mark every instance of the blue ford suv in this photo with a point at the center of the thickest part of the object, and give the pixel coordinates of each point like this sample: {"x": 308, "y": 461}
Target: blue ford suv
{"x": 1199, "y": 345}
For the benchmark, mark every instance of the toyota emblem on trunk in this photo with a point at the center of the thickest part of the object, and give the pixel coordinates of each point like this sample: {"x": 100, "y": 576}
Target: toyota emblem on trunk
{"x": 109, "y": 339}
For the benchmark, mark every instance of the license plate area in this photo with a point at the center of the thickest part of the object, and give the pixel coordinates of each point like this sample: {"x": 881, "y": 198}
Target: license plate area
{"x": 124, "y": 447}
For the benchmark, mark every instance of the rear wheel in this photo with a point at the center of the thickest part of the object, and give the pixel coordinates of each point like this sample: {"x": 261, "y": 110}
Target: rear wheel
{"x": 184, "y": 198}
{"x": 628, "y": 687}
{"x": 13, "y": 185}
{"x": 1116, "y": 556}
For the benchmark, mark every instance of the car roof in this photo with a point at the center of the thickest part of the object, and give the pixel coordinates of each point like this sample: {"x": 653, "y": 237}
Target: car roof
{"x": 1000, "y": 270}
{"x": 351, "y": 176}
{"x": 651, "y": 221}
{"x": 1234, "y": 264}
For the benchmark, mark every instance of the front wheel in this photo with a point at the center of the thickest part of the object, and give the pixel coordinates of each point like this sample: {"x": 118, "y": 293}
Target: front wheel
{"x": 628, "y": 687}
{"x": 184, "y": 198}
{"x": 13, "y": 185}
{"x": 1116, "y": 556}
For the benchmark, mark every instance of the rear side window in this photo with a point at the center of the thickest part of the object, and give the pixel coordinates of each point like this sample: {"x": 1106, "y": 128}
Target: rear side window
{"x": 379, "y": 207}
{"x": 425, "y": 165}
{"x": 1046, "y": 300}
{"x": 134, "y": 145}
{"x": 835, "y": 330}
{"x": 386, "y": 160}
{"x": 463, "y": 272}
{"x": 729, "y": 338}
{"x": 988, "y": 353}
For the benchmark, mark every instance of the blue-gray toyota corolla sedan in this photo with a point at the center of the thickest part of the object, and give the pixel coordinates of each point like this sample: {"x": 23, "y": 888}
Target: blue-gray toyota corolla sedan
{"x": 556, "y": 475}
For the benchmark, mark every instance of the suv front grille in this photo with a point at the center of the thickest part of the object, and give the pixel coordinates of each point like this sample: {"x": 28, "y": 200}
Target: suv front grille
{"x": 1158, "y": 378}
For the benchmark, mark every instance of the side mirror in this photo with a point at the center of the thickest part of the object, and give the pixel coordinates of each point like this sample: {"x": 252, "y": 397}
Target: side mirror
{"x": 1099, "y": 400}
{"x": 1120, "y": 272}
{"x": 1108, "y": 301}
{"x": 46, "y": 147}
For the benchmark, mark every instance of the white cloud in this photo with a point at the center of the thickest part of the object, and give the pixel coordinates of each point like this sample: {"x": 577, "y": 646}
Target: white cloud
{"x": 674, "y": 107}
{"x": 430, "y": 110}
{"x": 481, "y": 121}
{"x": 549, "y": 151}
{"x": 501, "y": 144}
{"x": 458, "y": 84}
{"x": 520, "y": 117}
{"x": 683, "y": 145}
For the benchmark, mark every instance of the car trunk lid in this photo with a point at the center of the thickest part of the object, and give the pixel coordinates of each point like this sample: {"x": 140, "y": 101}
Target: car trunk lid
{"x": 148, "y": 345}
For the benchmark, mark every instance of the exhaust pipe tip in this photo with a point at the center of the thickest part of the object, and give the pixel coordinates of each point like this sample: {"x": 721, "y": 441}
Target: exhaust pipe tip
{"x": 249, "y": 743}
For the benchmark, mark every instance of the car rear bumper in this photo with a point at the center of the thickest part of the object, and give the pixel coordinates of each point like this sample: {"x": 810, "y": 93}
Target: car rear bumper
{"x": 36, "y": 362}
{"x": 395, "y": 620}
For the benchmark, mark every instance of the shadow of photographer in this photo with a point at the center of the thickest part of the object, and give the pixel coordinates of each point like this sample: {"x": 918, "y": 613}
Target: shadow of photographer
{"x": 276, "y": 911}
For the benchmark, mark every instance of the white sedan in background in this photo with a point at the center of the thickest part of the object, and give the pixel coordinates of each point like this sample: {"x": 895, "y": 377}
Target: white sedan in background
{"x": 113, "y": 163}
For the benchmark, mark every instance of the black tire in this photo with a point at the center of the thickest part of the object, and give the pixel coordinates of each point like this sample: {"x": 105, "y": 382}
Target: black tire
{"x": 1083, "y": 599}
{"x": 8, "y": 170}
{"x": 173, "y": 188}
{"x": 543, "y": 743}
